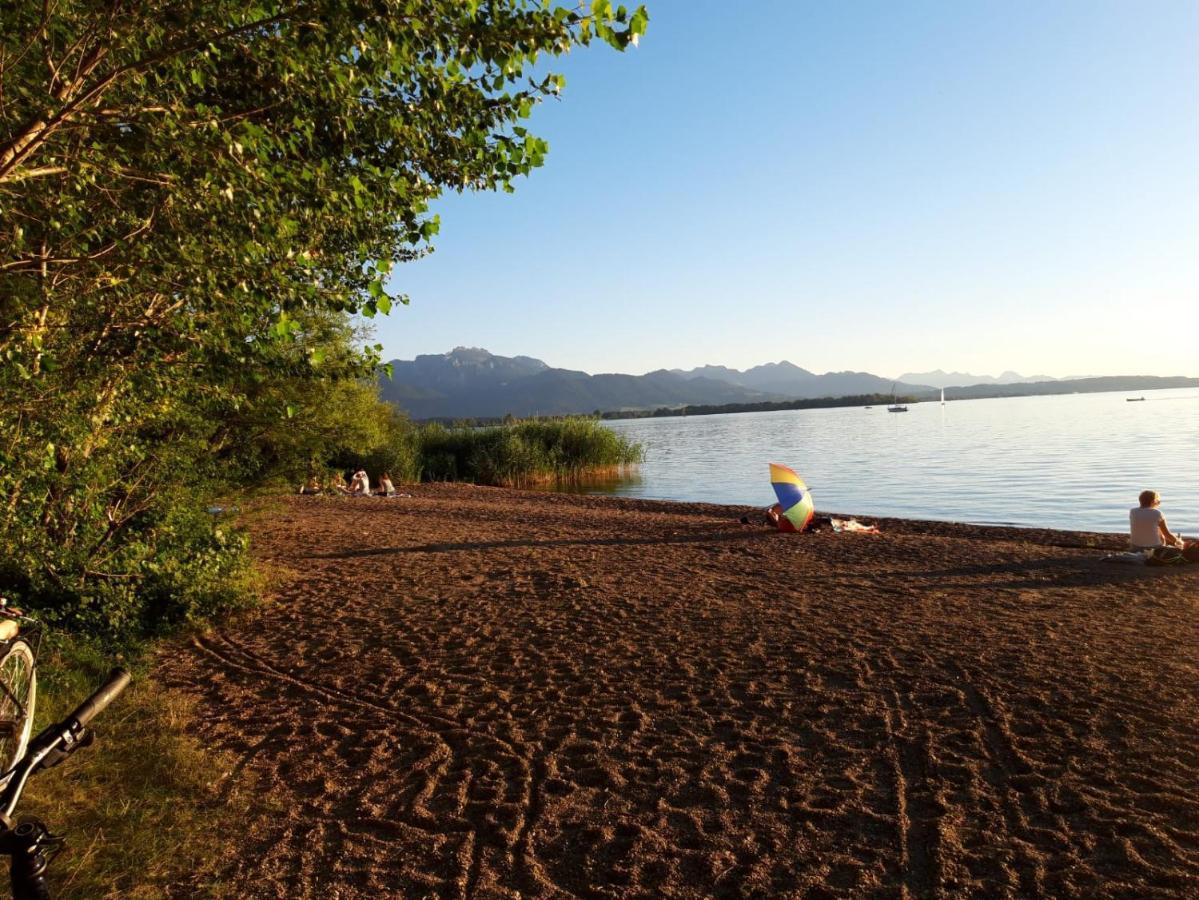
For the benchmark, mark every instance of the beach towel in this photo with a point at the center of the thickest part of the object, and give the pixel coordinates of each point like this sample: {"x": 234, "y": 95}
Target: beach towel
{"x": 1165, "y": 556}
{"x": 1132, "y": 558}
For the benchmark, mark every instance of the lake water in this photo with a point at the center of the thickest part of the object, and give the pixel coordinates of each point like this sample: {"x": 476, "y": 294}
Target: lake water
{"x": 1074, "y": 461}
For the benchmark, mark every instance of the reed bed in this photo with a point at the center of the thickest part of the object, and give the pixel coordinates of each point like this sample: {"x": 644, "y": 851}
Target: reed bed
{"x": 526, "y": 453}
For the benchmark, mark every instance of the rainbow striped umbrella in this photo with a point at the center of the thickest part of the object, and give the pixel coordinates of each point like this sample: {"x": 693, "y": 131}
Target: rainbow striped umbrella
{"x": 795, "y": 500}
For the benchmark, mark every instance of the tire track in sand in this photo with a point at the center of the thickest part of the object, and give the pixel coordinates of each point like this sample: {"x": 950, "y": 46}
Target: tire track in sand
{"x": 1011, "y": 777}
{"x": 918, "y": 813}
{"x": 421, "y": 819}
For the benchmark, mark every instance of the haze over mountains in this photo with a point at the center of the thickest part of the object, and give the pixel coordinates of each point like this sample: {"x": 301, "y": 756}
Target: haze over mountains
{"x": 939, "y": 378}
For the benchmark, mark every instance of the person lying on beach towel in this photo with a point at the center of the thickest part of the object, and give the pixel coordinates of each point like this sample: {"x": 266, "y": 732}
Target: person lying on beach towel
{"x": 853, "y": 526}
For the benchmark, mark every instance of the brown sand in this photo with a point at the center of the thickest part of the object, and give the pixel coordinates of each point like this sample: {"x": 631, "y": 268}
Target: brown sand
{"x": 489, "y": 693}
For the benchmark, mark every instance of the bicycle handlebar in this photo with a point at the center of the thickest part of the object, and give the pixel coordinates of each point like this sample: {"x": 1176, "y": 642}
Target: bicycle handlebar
{"x": 117, "y": 681}
{"x": 30, "y": 844}
{"x": 56, "y": 742}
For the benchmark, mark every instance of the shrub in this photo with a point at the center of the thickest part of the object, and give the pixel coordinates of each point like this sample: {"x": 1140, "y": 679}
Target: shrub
{"x": 179, "y": 565}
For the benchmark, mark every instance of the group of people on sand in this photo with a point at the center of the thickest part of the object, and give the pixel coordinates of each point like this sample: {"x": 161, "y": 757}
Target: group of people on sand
{"x": 359, "y": 486}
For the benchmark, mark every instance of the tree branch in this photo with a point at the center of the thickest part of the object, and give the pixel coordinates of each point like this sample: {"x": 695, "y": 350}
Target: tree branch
{"x": 34, "y": 134}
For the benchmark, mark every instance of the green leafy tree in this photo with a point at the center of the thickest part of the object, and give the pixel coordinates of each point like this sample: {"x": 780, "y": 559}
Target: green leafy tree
{"x": 193, "y": 198}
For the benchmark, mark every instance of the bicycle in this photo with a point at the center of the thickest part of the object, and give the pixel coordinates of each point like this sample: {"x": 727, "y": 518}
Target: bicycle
{"x": 20, "y": 637}
{"x": 29, "y": 842}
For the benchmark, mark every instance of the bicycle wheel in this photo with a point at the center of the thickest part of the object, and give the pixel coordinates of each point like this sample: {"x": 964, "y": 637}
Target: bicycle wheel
{"x": 18, "y": 693}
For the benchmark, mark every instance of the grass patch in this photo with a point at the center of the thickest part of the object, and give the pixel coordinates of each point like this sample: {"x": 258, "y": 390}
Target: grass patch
{"x": 144, "y": 808}
{"x": 530, "y": 452}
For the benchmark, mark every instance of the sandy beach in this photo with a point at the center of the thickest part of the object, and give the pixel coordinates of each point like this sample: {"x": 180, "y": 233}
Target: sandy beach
{"x": 476, "y": 692}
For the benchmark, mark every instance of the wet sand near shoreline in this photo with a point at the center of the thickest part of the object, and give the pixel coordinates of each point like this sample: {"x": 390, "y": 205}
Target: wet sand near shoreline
{"x": 476, "y": 692}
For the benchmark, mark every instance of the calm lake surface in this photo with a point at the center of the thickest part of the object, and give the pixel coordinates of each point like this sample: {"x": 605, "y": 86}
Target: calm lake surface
{"x": 1075, "y": 461}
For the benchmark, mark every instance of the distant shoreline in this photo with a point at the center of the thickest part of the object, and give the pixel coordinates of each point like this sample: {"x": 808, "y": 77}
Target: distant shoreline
{"x": 1106, "y": 384}
{"x": 1101, "y": 385}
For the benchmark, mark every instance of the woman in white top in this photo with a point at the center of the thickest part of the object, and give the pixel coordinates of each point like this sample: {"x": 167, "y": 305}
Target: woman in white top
{"x": 360, "y": 485}
{"x": 363, "y": 488}
{"x": 1148, "y": 526}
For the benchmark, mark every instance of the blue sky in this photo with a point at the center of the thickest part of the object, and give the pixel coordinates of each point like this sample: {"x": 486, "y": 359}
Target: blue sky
{"x": 875, "y": 186}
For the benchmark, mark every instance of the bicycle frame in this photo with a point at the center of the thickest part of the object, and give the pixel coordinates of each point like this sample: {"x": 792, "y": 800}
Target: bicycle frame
{"x": 29, "y": 843}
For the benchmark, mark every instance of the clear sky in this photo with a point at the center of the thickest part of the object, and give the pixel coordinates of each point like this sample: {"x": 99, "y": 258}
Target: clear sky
{"x": 874, "y": 186}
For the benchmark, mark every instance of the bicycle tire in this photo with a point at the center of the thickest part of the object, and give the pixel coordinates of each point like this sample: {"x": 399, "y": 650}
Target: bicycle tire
{"x": 18, "y": 697}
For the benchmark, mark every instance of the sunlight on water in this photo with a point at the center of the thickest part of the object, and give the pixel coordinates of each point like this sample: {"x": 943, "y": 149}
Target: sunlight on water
{"x": 1074, "y": 461}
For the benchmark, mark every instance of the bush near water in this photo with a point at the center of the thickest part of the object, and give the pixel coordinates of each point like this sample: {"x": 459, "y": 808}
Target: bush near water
{"x": 534, "y": 451}
{"x": 515, "y": 454}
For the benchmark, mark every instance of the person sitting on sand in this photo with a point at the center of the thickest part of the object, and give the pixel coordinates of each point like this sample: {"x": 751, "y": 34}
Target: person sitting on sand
{"x": 1147, "y": 525}
{"x": 312, "y": 486}
{"x": 364, "y": 483}
{"x": 775, "y": 517}
{"x": 386, "y": 488}
{"x": 360, "y": 485}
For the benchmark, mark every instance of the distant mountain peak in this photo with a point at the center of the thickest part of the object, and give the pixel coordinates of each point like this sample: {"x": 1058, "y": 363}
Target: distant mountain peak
{"x": 468, "y": 353}
{"x": 477, "y": 357}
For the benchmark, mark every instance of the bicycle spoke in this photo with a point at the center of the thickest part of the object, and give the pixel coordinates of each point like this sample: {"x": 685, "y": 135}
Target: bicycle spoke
{"x": 15, "y": 699}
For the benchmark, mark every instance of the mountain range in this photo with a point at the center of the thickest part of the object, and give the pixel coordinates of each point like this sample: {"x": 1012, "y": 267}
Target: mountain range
{"x": 469, "y": 382}
{"x": 939, "y": 378}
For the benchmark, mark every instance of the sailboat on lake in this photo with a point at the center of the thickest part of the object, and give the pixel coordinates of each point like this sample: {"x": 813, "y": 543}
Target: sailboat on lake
{"x": 895, "y": 407}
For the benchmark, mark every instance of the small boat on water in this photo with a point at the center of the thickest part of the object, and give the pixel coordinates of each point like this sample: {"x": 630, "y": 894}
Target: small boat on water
{"x": 1134, "y": 399}
{"x": 895, "y": 407}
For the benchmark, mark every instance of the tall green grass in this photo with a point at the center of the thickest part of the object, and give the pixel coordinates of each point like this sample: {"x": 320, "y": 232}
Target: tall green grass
{"x": 145, "y": 809}
{"x": 525, "y": 453}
